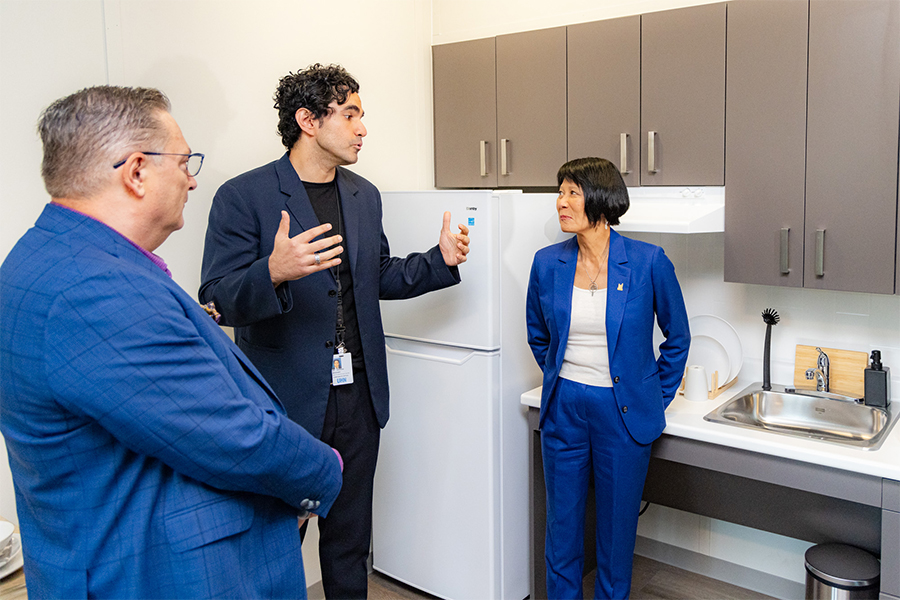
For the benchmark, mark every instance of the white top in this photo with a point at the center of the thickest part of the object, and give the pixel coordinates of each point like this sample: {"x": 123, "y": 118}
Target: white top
{"x": 587, "y": 352}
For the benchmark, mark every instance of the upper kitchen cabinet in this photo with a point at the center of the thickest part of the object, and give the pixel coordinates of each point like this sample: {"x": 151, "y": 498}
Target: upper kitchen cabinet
{"x": 531, "y": 107}
{"x": 683, "y": 96}
{"x": 852, "y": 138}
{"x": 813, "y": 105}
{"x": 465, "y": 115}
{"x": 765, "y": 137}
{"x": 604, "y": 90}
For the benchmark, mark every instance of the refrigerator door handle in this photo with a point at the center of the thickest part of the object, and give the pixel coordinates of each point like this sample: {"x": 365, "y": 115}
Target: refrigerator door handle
{"x": 450, "y": 355}
{"x": 444, "y": 359}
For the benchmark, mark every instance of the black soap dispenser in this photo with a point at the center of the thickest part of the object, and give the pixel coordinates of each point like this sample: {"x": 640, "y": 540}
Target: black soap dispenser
{"x": 877, "y": 382}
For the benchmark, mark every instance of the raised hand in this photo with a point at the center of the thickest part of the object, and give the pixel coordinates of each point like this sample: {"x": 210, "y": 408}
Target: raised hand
{"x": 299, "y": 256}
{"x": 454, "y": 246}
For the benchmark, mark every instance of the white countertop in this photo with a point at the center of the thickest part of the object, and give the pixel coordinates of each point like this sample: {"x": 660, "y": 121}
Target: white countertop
{"x": 684, "y": 419}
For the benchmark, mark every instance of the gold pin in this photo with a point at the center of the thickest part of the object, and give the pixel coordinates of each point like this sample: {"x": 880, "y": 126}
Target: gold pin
{"x": 621, "y": 285}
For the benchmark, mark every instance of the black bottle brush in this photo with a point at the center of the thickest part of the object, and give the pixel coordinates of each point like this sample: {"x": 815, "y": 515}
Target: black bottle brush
{"x": 771, "y": 318}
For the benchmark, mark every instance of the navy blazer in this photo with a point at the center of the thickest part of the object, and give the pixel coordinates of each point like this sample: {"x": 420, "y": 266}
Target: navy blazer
{"x": 641, "y": 285}
{"x": 289, "y": 332}
{"x": 150, "y": 458}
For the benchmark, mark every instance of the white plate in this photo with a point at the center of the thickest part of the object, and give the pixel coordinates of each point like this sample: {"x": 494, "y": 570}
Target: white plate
{"x": 721, "y": 331}
{"x": 712, "y": 356}
{"x": 15, "y": 562}
{"x": 15, "y": 544}
{"x": 6, "y": 532}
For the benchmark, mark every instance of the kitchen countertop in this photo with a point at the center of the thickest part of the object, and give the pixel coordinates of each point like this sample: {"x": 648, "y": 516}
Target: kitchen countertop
{"x": 684, "y": 419}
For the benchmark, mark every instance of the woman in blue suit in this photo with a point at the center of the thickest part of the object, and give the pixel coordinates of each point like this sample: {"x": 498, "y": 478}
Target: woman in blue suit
{"x": 592, "y": 303}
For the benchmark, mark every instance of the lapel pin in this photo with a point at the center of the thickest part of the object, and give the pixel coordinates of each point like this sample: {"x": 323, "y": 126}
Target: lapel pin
{"x": 621, "y": 285}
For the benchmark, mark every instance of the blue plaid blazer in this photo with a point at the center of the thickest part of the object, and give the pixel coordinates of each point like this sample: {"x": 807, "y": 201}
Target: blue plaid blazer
{"x": 150, "y": 458}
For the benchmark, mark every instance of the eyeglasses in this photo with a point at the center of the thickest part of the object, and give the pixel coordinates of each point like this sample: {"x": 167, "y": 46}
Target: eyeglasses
{"x": 194, "y": 160}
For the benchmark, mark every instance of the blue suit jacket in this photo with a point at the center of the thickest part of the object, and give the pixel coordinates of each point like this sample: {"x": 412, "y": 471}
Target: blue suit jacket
{"x": 150, "y": 459}
{"x": 288, "y": 332}
{"x": 641, "y": 285}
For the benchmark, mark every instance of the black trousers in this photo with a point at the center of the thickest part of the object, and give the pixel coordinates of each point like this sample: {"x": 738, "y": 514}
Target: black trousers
{"x": 346, "y": 534}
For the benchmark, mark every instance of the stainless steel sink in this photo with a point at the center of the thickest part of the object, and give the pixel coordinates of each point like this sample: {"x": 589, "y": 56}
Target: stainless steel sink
{"x": 808, "y": 414}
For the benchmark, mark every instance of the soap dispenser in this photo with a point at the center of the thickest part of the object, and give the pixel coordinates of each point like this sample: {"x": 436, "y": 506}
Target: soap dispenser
{"x": 877, "y": 381}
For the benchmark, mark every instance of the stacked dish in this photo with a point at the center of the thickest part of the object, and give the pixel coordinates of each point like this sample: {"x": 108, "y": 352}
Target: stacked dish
{"x": 716, "y": 347}
{"x": 10, "y": 549}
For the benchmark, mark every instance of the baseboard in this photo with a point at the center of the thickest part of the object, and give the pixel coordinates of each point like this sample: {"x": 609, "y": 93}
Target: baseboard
{"x": 716, "y": 568}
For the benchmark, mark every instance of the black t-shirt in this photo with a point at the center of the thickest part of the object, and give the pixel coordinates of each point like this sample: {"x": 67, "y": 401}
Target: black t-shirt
{"x": 326, "y": 204}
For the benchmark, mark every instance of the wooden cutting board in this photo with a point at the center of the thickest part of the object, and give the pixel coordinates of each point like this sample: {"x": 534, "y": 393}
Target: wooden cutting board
{"x": 847, "y": 367}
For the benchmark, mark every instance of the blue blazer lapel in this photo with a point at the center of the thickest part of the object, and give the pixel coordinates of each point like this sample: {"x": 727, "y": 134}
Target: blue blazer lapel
{"x": 618, "y": 280}
{"x": 303, "y": 217}
{"x": 563, "y": 281}
{"x": 347, "y": 189}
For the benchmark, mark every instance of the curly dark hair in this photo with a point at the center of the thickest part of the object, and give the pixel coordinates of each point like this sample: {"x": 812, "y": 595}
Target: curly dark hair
{"x": 605, "y": 194}
{"x": 313, "y": 88}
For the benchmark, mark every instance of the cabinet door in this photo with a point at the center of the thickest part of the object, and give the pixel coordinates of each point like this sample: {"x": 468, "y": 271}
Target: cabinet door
{"x": 854, "y": 106}
{"x": 531, "y": 107}
{"x": 604, "y": 93}
{"x": 683, "y": 96}
{"x": 765, "y": 141}
{"x": 465, "y": 115}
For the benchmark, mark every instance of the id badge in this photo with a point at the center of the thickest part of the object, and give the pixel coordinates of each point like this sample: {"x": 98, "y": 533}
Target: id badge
{"x": 341, "y": 369}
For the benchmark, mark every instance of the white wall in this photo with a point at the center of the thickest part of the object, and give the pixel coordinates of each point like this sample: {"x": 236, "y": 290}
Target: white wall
{"x": 459, "y": 20}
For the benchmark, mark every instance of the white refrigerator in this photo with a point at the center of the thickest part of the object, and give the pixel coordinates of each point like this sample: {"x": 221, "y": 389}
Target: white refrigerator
{"x": 451, "y": 488}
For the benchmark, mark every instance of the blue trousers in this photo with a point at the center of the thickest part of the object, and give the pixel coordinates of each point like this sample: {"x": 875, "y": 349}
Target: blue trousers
{"x": 583, "y": 433}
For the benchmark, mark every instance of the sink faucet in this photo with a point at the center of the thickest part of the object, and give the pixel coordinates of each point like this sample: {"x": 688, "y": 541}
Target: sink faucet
{"x": 822, "y": 373}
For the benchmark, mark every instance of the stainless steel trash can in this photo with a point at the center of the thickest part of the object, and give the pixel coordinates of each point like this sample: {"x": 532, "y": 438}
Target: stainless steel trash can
{"x": 841, "y": 572}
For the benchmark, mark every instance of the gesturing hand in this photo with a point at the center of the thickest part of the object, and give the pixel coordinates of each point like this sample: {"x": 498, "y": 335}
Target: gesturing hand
{"x": 454, "y": 246}
{"x": 298, "y": 256}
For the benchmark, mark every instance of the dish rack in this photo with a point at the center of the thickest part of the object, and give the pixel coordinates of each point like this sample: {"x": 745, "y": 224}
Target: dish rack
{"x": 716, "y": 388}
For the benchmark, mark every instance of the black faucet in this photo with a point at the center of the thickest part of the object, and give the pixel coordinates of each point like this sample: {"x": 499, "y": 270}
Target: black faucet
{"x": 771, "y": 318}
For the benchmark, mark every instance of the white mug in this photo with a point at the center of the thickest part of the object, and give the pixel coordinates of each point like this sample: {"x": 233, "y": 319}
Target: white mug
{"x": 695, "y": 384}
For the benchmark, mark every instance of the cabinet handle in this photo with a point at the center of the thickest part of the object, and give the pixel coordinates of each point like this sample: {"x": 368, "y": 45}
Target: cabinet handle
{"x": 623, "y": 154}
{"x": 504, "y": 167}
{"x": 820, "y": 253}
{"x": 785, "y": 257}
{"x": 651, "y": 152}
{"x": 483, "y": 158}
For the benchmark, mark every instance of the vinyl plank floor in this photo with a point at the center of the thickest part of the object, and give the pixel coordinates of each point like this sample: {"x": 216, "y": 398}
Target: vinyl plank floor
{"x": 651, "y": 580}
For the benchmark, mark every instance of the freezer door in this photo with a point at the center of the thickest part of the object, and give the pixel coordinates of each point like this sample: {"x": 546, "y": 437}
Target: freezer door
{"x": 467, "y": 314}
{"x": 436, "y": 514}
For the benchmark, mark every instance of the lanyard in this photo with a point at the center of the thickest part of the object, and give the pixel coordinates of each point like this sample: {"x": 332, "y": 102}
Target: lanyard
{"x": 340, "y": 328}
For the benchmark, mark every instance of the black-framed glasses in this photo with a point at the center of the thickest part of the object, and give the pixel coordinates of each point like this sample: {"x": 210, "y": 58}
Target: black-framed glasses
{"x": 194, "y": 160}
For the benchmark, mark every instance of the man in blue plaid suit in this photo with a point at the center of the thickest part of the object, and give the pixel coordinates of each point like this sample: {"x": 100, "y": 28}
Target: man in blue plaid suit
{"x": 150, "y": 458}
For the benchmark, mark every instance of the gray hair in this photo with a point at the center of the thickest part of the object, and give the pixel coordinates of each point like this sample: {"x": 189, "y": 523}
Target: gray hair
{"x": 85, "y": 133}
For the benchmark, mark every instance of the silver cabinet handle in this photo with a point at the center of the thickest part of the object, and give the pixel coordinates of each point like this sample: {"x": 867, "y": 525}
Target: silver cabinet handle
{"x": 820, "y": 253}
{"x": 785, "y": 248}
{"x": 651, "y": 152}
{"x": 483, "y": 158}
{"x": 623, "y": 154}
{"x": 504, "y": 166}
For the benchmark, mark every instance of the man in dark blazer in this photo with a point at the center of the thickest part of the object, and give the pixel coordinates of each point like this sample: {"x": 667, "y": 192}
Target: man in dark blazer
{"x": 303, "y": 304}
{"x": 150, "y": 458}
